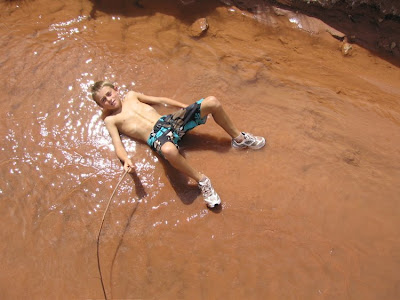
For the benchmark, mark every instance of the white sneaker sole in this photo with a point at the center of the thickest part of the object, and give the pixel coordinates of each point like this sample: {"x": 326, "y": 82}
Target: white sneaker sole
{"x": 212, "y": 204}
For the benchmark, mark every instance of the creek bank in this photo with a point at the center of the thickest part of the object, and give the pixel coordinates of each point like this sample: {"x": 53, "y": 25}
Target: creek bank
{"x": 373, "y": 25}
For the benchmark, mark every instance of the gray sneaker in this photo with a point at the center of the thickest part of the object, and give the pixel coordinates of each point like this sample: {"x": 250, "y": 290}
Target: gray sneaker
{"x": 209, "y": 194}
{"x": 249, "y": 141}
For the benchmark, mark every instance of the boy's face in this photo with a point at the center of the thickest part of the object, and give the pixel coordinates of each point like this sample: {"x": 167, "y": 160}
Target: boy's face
{"x": 108, "y": 98}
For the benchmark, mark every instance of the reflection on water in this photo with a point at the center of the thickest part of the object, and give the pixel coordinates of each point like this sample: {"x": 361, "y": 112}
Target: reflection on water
{"x": 64, "y": 31}
{"x": 312, "y": 215}
{"x": 296, "y": 21}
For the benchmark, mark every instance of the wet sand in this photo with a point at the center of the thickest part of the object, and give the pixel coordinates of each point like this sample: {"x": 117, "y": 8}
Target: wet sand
{"x": 314, "y": 215}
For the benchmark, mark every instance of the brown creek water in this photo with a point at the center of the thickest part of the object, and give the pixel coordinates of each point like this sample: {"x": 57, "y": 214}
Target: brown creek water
{"x": 314, "y": 215}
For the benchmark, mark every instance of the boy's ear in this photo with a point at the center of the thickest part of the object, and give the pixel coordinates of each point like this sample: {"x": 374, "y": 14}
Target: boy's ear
{"x": 116, "y": 87}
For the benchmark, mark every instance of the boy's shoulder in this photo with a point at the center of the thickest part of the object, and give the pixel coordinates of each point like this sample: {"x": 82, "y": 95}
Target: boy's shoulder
{"x": 106, "y": 117}
{"x": 131, "y": 95}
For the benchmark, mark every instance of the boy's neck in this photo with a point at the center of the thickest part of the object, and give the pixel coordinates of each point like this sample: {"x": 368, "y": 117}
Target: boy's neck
{"x": 107, "y": 113}
{"x": 115, "y": 111}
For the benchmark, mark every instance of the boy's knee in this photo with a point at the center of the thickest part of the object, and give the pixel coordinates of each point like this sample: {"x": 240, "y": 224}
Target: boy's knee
{"x": 213, "y": 102}
{"x": 169, "y": 151}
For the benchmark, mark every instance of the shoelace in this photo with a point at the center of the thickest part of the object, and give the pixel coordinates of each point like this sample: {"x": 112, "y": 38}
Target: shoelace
{"x": 206, "y": 190}
{"x": 249, "y": 139}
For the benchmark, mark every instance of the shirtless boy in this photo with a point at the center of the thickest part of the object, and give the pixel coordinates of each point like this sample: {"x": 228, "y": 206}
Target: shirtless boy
{"x": 135, "y": 117}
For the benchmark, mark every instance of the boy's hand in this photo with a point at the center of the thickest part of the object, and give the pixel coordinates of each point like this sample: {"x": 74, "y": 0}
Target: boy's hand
{"x": 128, "y": 165}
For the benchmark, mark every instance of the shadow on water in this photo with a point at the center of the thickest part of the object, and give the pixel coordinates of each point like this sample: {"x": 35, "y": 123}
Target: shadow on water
{"x": 139, "y": 189}
{"x": 140, "y": 193}
{"x": 206, "y": 141}
{"x": 187, "y": 192}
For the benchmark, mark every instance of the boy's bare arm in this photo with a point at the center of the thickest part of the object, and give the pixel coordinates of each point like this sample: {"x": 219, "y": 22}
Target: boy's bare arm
{"x": 119, "y": 147}
{"x": 159, "y": 100}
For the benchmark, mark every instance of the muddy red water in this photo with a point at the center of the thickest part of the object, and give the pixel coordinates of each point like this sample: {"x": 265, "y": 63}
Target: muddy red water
{"x": 314, "y": 215}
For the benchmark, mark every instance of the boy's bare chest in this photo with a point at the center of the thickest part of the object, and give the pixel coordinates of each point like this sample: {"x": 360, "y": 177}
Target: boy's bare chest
{"x": 136, "y": 117}
{"x": 136, "y": 112}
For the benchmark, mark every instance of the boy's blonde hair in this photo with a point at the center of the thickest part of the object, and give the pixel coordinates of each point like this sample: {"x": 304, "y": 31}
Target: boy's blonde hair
{"x": 97, "y": 86}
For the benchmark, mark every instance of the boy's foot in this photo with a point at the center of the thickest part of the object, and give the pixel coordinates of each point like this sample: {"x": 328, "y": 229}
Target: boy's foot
{"x": 209, "y": 194}
{"x": 249, "y": 141}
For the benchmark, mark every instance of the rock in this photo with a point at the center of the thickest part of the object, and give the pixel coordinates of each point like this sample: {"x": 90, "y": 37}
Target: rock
{"x": 347, "y": 49}
{"x": 198, "y": 27}
{"x": 285, "y": 2}
{"x": 386, "y": 44}
{"x": 335, "y": 33}
{"x": 386, "y": 7}
{"x": 279, "y": 11}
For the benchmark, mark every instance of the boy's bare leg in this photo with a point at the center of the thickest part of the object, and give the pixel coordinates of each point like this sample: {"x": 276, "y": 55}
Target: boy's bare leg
{"x": 240, "y": 140}
{"x": 211, "y": 105}
{"x": 171, "y": 153}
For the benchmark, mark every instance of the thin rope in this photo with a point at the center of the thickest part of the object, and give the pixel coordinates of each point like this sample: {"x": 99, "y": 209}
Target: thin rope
{"x": 101, "y": 227}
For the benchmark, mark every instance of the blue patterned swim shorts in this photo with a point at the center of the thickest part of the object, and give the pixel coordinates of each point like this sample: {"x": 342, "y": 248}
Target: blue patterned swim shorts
{"x": 171, "y": 128}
